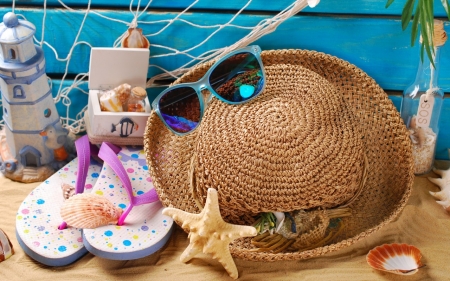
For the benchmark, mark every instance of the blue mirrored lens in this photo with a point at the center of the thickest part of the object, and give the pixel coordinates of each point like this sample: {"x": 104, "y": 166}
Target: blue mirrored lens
{"x": 180, "y": 109}
{"x": 237, "y": 78}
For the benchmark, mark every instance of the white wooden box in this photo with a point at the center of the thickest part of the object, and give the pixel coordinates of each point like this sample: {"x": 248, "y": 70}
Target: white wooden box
{"x": 109, "y": 68}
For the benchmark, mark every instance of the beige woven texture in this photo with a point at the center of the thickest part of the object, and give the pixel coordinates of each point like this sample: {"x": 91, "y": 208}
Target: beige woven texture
{"x": 295, "y": 147}
{"x": 342, "y": 115}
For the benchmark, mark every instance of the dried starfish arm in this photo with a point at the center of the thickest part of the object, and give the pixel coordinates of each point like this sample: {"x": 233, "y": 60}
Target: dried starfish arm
{"x": 188, "y": 220}
{"x": 191, "y": 251}
{"x": 224, "y": 258}
{"x": 210, "y": 233}
{"x": 444, "y": 184}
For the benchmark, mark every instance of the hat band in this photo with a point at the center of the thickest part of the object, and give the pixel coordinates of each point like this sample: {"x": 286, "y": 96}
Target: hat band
{"x": 199, "y": 204}
{"x": 315, "y": 230}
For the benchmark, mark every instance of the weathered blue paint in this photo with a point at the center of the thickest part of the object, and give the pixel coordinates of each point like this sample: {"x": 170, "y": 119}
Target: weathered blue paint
{"x": 362, "y": 32}
{"x": 376, "y": 45}
{"x": 367, "y": 7}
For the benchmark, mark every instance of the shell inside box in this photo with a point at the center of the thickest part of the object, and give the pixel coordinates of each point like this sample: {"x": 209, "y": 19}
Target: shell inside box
{"x": 121, "y": 124}
{"x": 109, "y": 68}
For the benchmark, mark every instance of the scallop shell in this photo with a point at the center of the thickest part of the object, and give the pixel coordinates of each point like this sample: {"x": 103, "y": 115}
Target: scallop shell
{"x": 402, "y": 259}
{"x": 89, "y": 211}
{"x": 135, "y": 39}
{"x": 6, "y": 248}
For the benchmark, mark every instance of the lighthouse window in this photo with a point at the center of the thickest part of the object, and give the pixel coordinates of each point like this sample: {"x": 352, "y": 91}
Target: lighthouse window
{"x": 47, "y": 112}
{"x": 19, "y": 93}
{"x": 5, "y": 110}
{"x": 12, "y": 54}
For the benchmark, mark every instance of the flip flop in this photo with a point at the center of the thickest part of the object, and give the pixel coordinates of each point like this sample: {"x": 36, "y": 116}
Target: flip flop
{"x": 40, "y": 229}
{"x": 141, "y": 229}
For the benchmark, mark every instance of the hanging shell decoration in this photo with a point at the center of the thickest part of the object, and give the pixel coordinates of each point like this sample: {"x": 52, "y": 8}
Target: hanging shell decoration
{"x": 442, "y": 196}
{"x": 135, "y": 39}
{"x": 89, "y": 211}
{"x": 6, "y": 248}
{"x": 402, "y": 259}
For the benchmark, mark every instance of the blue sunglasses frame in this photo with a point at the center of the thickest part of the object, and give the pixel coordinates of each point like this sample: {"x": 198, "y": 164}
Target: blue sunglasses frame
{"x": 203, "y": 84}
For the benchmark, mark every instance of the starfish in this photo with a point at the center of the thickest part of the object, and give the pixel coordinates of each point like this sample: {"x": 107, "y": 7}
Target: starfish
{"x": 209, "y": 233}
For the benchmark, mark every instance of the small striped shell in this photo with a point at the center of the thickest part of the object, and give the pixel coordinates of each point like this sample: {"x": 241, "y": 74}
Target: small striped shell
{"x": 67, "y": 190}
{"x": 135, "y": 39}
{"x": 6, "y": 248}
{"x": 89, "y": 211}
{"x": 402, "y": 259}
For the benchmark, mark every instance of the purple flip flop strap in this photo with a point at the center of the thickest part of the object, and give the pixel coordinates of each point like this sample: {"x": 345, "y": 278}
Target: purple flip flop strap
{"x": 109, "y": 157}
{"x": 84, "y": 151}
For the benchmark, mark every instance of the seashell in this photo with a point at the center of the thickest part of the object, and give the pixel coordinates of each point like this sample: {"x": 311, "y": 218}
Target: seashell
{"x": 89, "y": 211}
{"x": 113, "y": 100}
{"x": 6, "y": 248}
{"x": 402, "y": 259}
{"x": 444, "y": 184}
{"x": 135, "y": 39}
{"x": 67, "y": 190}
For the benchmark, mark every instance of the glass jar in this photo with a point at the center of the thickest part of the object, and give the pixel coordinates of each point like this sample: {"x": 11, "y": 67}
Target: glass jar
{"x": 136, "y": 101}
{"x": 421, "y": 107}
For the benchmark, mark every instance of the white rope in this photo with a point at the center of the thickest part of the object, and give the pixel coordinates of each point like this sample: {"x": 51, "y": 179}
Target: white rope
{"x": 266, "y": 26}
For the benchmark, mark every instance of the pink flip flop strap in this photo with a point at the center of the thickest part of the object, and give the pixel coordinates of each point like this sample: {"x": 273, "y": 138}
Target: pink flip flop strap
{"x": 109, "y": 157}
{"x": 84, "y": 151}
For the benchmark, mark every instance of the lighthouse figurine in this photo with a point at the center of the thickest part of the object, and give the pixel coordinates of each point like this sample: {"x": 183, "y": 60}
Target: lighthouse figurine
{"x": 32, "y": 141}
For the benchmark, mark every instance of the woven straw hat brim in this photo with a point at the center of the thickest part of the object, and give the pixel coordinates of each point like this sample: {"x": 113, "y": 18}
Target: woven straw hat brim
{"x": 385, "y": 140}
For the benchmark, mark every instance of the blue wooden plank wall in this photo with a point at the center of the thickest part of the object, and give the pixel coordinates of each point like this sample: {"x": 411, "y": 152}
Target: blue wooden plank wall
{"x": 362, "y": 32}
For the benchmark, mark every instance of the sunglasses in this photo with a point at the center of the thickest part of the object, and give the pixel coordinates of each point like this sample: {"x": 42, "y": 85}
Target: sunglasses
{"x": 236, "y": 78}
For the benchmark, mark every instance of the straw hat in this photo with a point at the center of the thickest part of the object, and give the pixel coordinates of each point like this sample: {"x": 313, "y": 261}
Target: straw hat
{"x": 321, "y": 136}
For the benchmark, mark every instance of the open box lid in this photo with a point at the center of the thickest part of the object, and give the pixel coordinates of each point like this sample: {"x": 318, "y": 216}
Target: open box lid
{"x": 111, "y": 67}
